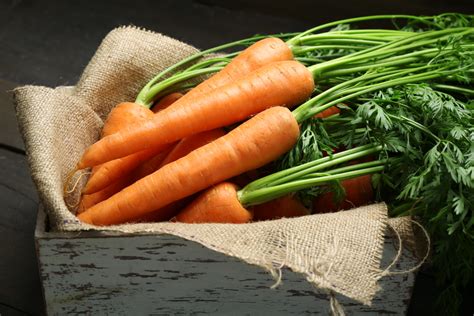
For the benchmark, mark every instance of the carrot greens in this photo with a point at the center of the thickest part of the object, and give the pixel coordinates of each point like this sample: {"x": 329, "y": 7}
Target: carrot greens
{"x": 341, "y": 38}
{"x": 416, "y": 118}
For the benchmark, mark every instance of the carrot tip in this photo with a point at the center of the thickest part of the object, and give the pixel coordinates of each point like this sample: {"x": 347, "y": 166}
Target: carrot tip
{"x": 85, "y": 218}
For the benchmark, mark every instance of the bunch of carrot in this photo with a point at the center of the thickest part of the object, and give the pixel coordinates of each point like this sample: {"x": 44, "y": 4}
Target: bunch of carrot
{"x": 146, "y": 165}
{"x": 230, "y": 150}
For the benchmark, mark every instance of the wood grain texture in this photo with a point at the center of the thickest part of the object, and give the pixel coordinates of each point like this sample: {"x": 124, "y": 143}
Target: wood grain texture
{"x": 19, "y": 281}
{"x": 9, "y": 135}
{"x": 164, "y": 274}
{"x": 11, "y": 311}
{"x": 27, "y": 57}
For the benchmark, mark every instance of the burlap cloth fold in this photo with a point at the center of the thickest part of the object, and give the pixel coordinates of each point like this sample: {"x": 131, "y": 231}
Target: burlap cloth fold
{"x": 340, "y": 252}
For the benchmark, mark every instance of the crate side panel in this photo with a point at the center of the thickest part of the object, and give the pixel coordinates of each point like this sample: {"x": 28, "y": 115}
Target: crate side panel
{"x": 164, "y": 275}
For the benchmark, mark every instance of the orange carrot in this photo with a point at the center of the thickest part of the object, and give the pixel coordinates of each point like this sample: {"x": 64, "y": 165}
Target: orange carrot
{"x": 173, "y": 152}
{"x": 166, "y": 101}
{"x": 251, "y": 145}
{"x": 286, "y": 206}
{"x": 152, "y": 164}
{"x": 219, "y": 204}
{"x": 284, "y": 83}
{"x": 177, "y": 150}
{"x": 180, "y": 150}
{"x": 89, "y": 200}
{"x": 124, "y": 114}
{"x": 328, "y": 112}
{"x": 261, "y": 53}
{"x": 165, "y": 213}
{"x": 115, "y": 169}
{"x": 188, "y": 144}
{"x": 358, "y": 192}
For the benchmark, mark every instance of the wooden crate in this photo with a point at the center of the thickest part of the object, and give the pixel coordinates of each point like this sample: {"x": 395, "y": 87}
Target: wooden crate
{"x": 96, "y": 273}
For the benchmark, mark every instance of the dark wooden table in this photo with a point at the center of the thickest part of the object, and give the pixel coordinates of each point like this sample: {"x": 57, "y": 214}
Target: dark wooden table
{"x": 50, "y": 42}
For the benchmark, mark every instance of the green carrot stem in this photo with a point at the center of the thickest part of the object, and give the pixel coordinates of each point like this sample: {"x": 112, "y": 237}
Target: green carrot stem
{"x": 337, "y": 134}
{"x": 364, "y": 34}
{"x": 182, "y": 87}
{"x": 153, "y": 91}
{"x": 320, "y": 102}
{"x": 353, "y": 167}
{"x": 309, "y": 60}
{"x": 243, "y": 42}
{"x": 311, "y": 107}
{"x": 451, "y": 88}
{"x": 321, "y": 166}
{"x": 388, "y": 62}
{"x": 262, "y": 195}
{"x": 307, "y": 49}
{"x": 214, "y": 62}
{"x": 390, "y": 48}
{"x": 312, "y": 166}
{"x": 295, "y": 40}
{"x": 154, "y": 88}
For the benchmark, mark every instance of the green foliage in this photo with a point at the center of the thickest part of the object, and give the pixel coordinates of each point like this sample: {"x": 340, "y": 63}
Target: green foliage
{"x": 314, "y": 142}
{"x": 429, "y": 136}
{"x": 438, "y": 22}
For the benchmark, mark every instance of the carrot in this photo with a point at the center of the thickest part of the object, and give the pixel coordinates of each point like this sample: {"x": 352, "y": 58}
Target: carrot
{"x": 219, "y": 204}
{"x": 251, "y": 145}
{"x": 328, "y": 112}
{"x": 89, "y": 200}
{"x": 152, "y": 164}
{"x": 173, "y": 152}
{"x": 285, "y": 83}
{"x": 124, "y": 114}
{"x": 358, "y": 192}
{"x": 166, "y": 101}
{"x": 261, "y": 53}
{"x": 165, "y": 213}
{"x": 178, "y": 151}
{"x": 114, "y": 169}
{"x": 286, "y": 206}
{"x": 188, "y": 144}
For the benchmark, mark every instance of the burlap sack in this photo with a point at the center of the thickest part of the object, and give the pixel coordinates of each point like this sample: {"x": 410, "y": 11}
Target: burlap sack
{"x": 339, "y": 252}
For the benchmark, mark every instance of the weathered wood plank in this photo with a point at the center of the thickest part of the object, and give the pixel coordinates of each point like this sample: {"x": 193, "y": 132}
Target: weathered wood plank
{"x": 9, "y": 135}
{"x": 11, "y": 311}
{"x": 19, "y": 281}
{"x": 163, "y": 274}
{"x": 25, "y": 58}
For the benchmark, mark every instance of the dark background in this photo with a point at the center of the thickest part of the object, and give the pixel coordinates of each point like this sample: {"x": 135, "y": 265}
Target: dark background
{"x": 50, "y": 42}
